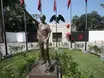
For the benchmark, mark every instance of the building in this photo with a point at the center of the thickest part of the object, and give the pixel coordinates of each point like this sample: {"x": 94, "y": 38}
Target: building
{"x": 61, "y": 32}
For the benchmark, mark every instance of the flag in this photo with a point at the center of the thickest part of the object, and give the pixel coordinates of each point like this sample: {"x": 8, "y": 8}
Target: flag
{"x": 21, "y": 2}
{"x": 54, "y": 7}
{"x": 39, "y": 5}
{"x": 68, "y": 4}
{"x": 86, "y": 1}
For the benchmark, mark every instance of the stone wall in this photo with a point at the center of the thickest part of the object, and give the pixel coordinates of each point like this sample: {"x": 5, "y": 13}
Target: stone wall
{"x": 19, "y": 47}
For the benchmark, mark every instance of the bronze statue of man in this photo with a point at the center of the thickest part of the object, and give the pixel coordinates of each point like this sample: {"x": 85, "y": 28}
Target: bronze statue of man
{"x": 43, "y": 34}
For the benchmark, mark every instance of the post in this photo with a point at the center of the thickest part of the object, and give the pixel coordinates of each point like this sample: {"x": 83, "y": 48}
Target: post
{"x": 25, "y": 28}
{"x": 55, "y": 9}
{"x": 86, "y": 29}
{"x": 56, "y": 30}
{"x": 3, "y": 24}
{"x": 71, "y": 22}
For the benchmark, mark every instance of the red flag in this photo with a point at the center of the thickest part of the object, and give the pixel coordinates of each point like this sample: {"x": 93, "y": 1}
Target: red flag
{"x": 54, "y": 7}
{"x": 21, "y": 2}
{"x": 86, "y": 1}
{"x": 68, "y": 4}
{"x": 39, "y": 5}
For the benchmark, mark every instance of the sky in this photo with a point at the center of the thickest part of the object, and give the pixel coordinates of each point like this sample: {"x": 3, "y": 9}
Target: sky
{"x": 78, "y": 8}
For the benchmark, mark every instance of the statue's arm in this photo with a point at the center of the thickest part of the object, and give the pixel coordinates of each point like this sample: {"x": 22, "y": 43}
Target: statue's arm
{"x": 37, "y": 22}
{"x": 49, "y": 32}
{"x": 48, "y": 36}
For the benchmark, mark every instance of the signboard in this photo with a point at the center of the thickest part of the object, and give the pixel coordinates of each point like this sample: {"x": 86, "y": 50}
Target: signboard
{"x": 79, "y": 36}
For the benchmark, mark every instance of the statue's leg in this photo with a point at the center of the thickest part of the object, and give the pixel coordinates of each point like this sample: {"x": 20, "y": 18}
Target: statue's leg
{"x": 47, "y": 54}
{"x": 42, "y": 51}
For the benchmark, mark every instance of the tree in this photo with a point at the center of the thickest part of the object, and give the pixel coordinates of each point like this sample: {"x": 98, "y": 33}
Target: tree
{"x": 14, "y": 16}
{"x": 75, "y": 20}
{"x": 94, "y": 21}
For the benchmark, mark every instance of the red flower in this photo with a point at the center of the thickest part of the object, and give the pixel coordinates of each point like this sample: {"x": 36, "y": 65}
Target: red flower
{"x": 68, "y": 25}
{"x": 68, "y": 34}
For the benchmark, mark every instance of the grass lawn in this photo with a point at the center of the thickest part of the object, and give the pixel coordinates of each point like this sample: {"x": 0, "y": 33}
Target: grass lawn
{"x": 88, "y": 63}
{"x": 16, "y": 58}
{"x": 15, "y": 61}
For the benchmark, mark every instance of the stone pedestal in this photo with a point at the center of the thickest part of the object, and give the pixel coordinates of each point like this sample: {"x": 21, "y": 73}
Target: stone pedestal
{"x": 39, "y": 72}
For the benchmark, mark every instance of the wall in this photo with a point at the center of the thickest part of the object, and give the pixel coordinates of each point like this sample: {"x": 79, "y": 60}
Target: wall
{"x": 17, "y": 47}
{"x": 60, "y": 28}
{"x": 15, "y": 37}
{"x": 96, "y": 36}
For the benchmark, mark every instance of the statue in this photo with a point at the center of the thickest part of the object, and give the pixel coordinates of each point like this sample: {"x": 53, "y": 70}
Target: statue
{"x": 47, "y": 68}
{"x": 43, "y": 34}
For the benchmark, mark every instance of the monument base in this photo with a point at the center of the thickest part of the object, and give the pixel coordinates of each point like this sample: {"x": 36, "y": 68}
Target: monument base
{"x": 39, "y": 71}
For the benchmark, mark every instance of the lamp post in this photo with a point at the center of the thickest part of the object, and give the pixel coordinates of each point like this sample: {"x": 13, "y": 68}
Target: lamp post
{"x": 3, "y": 24}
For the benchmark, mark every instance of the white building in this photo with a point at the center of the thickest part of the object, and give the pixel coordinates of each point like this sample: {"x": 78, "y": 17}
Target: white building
{"x": 61, "y": 31}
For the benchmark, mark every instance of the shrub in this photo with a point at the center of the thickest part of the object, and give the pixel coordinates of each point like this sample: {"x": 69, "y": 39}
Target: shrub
{"x": 22, "y": 68}
{"x": 7, "y": 73}
{"x": 96, "y": 49}
{"x": 69, "y": 68}
{"x": 25, "y": 67}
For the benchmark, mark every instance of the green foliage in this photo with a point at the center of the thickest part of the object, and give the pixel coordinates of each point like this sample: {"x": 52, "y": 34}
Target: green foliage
{"x": 91, "y": 76}
{"x": 68, "y": 66}
{"x": 95, "y": 21}
{"x": 13, "y": 13}
{"x": 20, "y": 67}
{"x": 96, "y": 49}
{"x": 14, "y": 16}
{"x": 30, "y": 61}
{"x": 7, "y": 73}
{"x": 26, "y": 66}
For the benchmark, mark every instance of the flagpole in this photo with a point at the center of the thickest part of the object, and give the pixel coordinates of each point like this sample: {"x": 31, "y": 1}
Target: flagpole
{"x": 4, "y": 32}
{"x": 56, "y": 25}
{"x": 41, "y": 6}
{"x": 57, "y": 60}
{"x": 25, "y": 26}
{"x": 71, "y": 22}
{"x": 86, "y": 29}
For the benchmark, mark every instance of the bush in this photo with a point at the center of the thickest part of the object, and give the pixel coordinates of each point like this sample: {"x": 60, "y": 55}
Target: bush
{"x": 7, "y": 73}
{"x": 22, "y": 68}
{"x": 25, "y": 67}
{"x": 96, "y": 49}
{"x": 69, "y": 68}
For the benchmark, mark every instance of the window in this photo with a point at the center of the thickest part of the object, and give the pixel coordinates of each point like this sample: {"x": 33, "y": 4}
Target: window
{"x": 57, "y": 36}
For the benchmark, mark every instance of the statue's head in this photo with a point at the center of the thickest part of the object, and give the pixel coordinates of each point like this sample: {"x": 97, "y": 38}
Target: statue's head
{"x": 42, "y": 18}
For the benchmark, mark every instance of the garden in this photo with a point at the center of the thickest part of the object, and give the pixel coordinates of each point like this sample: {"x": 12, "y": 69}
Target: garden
{"x": 73, "y": 64}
